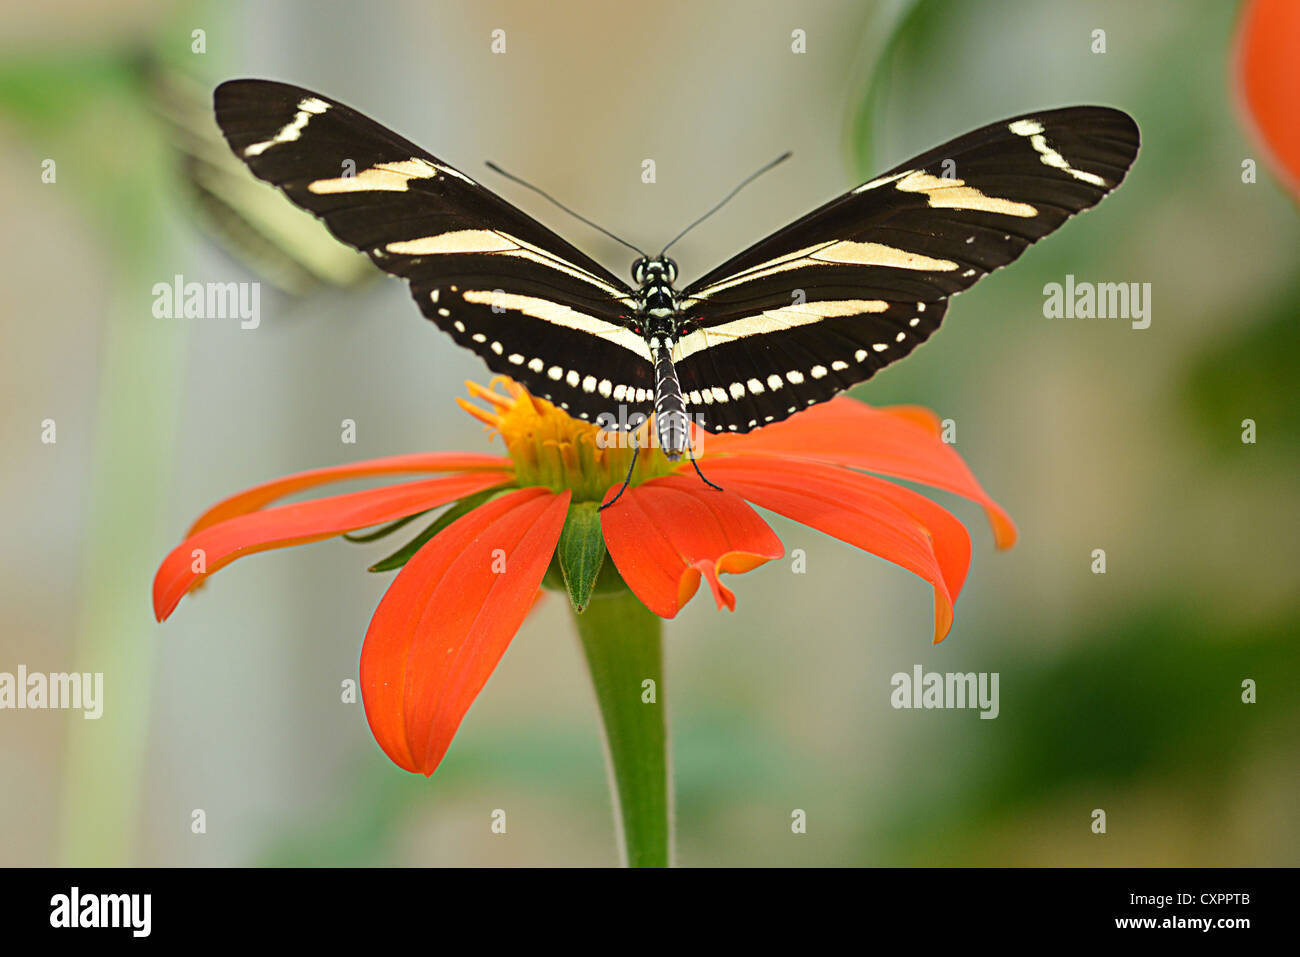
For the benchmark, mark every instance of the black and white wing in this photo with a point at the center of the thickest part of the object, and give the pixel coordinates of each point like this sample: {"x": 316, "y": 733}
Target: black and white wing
{"x": 531, "y": 305}
{"x": 860, "y": 282}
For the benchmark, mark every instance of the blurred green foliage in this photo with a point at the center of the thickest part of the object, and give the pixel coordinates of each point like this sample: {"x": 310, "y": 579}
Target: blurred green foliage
{"x": 1250, "y": 370}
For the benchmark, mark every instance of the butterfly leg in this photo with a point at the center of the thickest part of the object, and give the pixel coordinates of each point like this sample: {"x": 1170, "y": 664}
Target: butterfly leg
{"x": 636, "y": 450}
{"x": 691, "y": 452}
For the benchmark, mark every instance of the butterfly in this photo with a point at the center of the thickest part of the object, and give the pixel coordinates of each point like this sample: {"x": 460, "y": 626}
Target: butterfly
{"x": 798, "y": 317}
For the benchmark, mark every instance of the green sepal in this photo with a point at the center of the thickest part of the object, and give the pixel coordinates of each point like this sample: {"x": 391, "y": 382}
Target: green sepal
{"x": 463, "y": 507}
{"x": 608, "y": 582}
{"x": 581, "y": 553}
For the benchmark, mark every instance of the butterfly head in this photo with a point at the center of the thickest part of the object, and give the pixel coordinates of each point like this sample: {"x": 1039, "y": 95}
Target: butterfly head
{"x": 654, "y": 271}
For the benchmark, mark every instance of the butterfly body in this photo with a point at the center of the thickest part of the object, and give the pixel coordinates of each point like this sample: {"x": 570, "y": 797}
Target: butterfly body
{"x": 813, "y": 309}
{"x": 658, "y": 319}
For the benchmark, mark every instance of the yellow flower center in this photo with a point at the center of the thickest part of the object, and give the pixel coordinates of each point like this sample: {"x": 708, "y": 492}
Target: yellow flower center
{"x": 551, "y": 448}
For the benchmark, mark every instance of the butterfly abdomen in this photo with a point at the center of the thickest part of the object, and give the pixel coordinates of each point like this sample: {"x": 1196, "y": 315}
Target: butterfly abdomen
{"x": 670, "y": 406}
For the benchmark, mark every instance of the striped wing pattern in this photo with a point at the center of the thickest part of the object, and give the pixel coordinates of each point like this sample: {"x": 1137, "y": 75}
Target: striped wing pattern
{"x": 530, "y": 304}
{"x": 862, "y": 281}
{"x": 798, "y": 317}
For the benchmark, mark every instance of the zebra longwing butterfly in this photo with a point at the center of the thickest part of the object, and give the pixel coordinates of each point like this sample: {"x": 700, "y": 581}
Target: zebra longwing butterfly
{"x": 807, "y": 312}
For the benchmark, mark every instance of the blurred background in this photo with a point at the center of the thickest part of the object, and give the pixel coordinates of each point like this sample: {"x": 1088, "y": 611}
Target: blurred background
{"x": 1120, "y": 691}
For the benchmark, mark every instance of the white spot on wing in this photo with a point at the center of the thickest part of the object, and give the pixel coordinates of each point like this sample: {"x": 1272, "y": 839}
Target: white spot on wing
{"x": 1049, "y": 157}
{"x": 878, "y": 254}
{"x": 879, "y": 182}
{"x": 455, "y": 241}
{"x": 382, "y": 177}
{"x": 775, "y": 320}
{"x": 293, "y": 129}
{"x": 561, "y": 315}
{"x": 452, "y": 171}
{"x": 1026, "y": 127}
{"x": 955, "y": 194}
{"x": 1032, "y": 129}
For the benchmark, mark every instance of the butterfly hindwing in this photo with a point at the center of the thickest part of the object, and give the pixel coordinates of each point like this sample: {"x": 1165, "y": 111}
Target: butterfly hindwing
{"x": 858, "y": 283}
{"x": 587, "y": 366}
{"x": 532, "y": 305}
{"x": 737, "y": 380}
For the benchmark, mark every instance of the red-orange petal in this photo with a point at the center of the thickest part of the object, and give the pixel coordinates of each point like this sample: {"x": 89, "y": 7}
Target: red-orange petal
{"x": 885, "y": 519}
{"x": 665, "y": 534}
{"x": 903, "y": 443}
{"x": 302, "y": 522}
{"x": 259, "y": 496}
{"x": 448, "y": 618}
{"x": 1268, "y": 80}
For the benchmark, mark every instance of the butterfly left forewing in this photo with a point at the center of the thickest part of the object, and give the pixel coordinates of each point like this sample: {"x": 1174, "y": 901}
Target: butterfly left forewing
{"x": 864, "y": 279}
{"x": 530, "y": 304}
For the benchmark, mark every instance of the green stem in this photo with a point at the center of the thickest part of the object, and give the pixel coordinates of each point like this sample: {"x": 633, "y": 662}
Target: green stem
{"x": 621, "y": 639}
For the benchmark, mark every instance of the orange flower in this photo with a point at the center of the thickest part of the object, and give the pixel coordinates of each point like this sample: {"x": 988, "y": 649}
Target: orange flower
{"x": 445, "y": 622}
{"x": 1268, "y": 79}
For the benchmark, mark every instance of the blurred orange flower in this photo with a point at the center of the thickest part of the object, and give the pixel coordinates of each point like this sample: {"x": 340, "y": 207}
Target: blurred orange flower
{"x": 1268, "y": 79}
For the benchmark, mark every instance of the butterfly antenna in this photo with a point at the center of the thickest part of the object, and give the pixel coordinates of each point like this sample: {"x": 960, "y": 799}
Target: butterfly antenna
{"x": 743, "y": 183}
{"x": 510, "y": 176}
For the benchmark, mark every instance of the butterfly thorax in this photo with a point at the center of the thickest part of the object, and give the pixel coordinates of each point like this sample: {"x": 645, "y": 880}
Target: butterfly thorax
{"x": 657, "y": 322}
{"x": 656, "y": 298}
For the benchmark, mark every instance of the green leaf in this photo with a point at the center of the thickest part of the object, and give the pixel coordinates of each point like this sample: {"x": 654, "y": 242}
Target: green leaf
{"x": 463, "y": 507}
{"x": 581, "y": 553}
